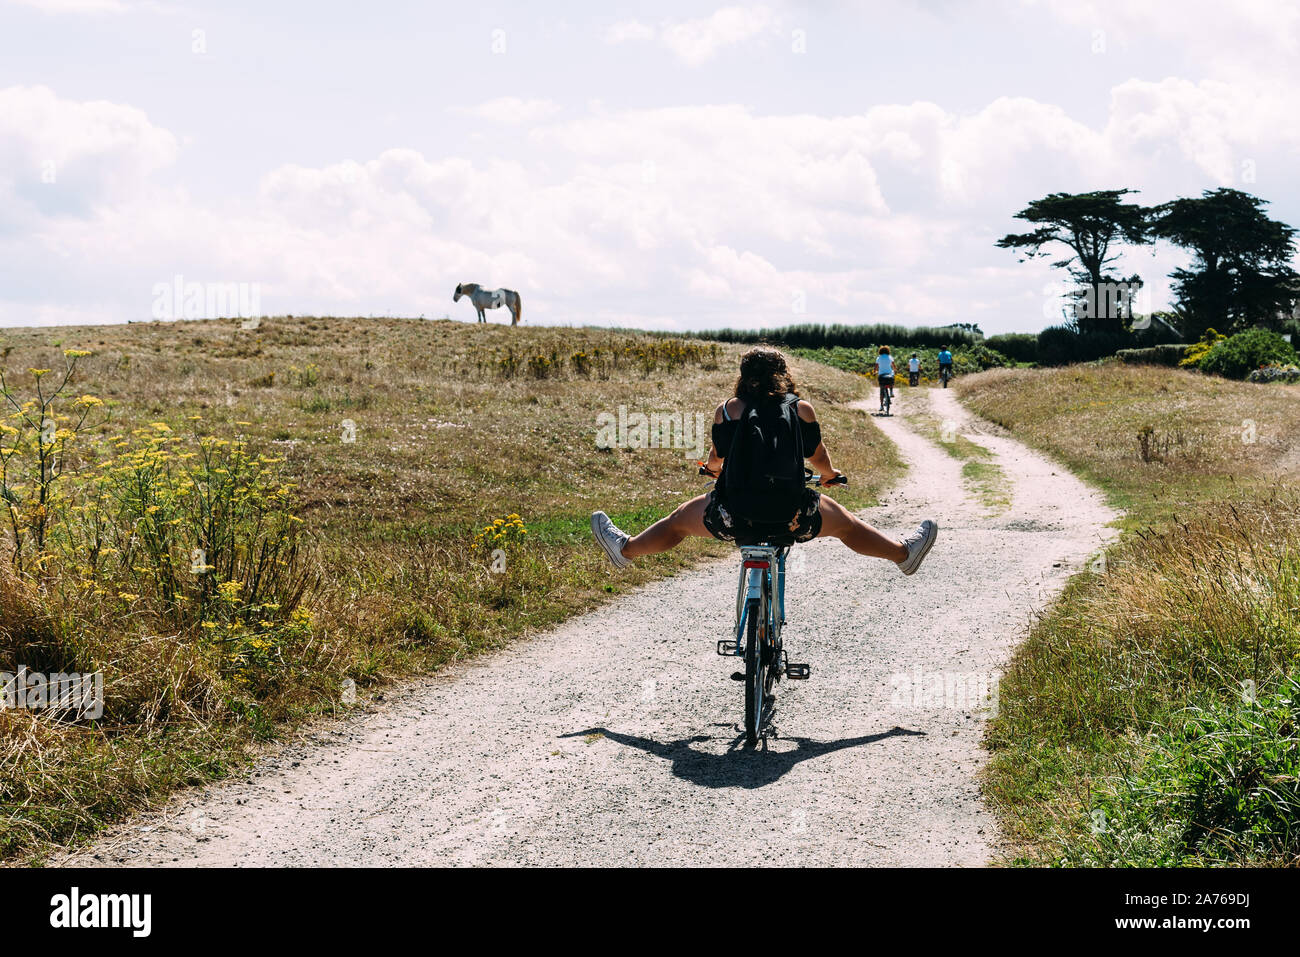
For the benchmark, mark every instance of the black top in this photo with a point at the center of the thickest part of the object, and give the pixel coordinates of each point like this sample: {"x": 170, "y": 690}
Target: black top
{"x": 724, "y": 433}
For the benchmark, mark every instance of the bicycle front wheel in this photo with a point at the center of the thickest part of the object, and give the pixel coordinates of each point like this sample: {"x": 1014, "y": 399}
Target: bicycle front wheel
{"x": 755, "y": 671}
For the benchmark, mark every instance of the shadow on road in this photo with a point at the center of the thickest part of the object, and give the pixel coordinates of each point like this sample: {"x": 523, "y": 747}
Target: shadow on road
{"x": 737, "y": 767}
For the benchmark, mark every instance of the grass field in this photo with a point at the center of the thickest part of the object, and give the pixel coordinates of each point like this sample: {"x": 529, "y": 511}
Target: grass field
{"x": 1152, "y": 716}
{"x": 412, "y": 451}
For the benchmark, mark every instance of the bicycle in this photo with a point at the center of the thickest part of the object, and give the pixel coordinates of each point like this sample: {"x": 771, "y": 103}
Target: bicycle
{"x": 945, "y": 373}
{"x": 760, "y": 615}
{"x": 886, "y": 393}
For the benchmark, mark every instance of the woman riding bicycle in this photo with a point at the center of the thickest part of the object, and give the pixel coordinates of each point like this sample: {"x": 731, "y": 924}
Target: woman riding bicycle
{"x": 885, "y": 374}
{"x": 764, "y": 382}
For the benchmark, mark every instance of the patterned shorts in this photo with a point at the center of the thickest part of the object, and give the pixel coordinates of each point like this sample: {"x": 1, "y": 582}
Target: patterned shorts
{"x": 804, "y": 527}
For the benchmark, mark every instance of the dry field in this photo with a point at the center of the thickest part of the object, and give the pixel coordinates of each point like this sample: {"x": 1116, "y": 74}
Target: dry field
{"x": 402, "y": 441}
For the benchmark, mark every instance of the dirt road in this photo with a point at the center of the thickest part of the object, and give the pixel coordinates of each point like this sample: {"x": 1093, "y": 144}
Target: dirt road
{"x": 612, "y": 739}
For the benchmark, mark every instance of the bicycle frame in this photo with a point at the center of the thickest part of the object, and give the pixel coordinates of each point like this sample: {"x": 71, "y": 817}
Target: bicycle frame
{"x": 756, "y": 581}
{"x": 760, "y": 592}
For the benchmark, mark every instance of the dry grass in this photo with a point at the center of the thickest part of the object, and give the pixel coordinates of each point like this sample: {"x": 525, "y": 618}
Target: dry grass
{"x": 1203, "y": 435}
{"x": 455, "y": 425}
{"x": 1199, "y": 602}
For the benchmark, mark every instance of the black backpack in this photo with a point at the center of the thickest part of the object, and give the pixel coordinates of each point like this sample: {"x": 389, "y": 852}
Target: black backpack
{"x": 762, "y": 477}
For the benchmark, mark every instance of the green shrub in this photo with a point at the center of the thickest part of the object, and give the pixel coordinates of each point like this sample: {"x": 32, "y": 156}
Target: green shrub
{"x": 1222, "y": 785}
{"x": 1198, "y": 350}
{"x": 36, "y": 442}
{"x": 1236, "y": 356}
{"x": 1169, "y": 354}
{"x": 810, "y": 335}
{"x": 978, "y": 358}
{"x": 1016, "y": 346}
{"x": 195, "y": 529}
{"x": 1062, "y": 345}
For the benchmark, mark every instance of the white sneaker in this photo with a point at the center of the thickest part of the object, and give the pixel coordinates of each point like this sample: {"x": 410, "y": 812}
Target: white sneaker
{"x": 918, "y": 545}
{"x": 611, "y": 538}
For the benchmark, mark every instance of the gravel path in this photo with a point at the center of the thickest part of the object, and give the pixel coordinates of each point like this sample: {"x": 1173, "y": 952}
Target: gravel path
{"x": 612, "y": 739}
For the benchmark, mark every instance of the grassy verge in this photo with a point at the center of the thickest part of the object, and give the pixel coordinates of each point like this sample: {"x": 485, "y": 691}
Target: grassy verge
{"x": 1150, "y": 717}
{"x": 437, "y": 478}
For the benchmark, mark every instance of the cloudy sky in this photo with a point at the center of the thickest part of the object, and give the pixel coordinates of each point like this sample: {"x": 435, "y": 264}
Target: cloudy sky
{"x": 664, "y": 165}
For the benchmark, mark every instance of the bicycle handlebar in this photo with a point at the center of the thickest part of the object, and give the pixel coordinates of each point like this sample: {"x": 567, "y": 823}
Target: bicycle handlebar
{"x": 816, "y": 481}
{"x": 809, "y": 478}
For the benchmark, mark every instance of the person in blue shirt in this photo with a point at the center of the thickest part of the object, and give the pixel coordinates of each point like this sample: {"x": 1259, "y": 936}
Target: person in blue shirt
{"x": 885, "y": 373}
{"x": 945, "y": 364}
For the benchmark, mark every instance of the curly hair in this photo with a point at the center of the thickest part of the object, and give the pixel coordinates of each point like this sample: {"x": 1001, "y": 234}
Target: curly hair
{"x": 764, "y": 374}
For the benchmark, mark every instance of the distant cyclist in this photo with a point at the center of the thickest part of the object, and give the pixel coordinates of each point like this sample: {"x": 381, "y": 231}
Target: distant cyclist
{"x": 945, "y": 365}
{"x": 885, "y": 374}
{"x": 913, "y": 370}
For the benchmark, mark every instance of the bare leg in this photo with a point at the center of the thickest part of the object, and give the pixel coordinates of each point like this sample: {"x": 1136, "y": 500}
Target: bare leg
{"x": 838, "y": 522}
{"x": 687, "y": 519}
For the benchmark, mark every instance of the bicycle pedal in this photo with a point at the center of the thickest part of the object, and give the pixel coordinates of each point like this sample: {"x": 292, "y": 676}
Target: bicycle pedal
{"x": 737, "y": 676}
{"x": 797, "y": 672}
{"x": 729, "y": 648}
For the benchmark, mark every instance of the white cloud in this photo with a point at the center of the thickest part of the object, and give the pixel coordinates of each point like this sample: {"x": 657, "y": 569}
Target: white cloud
{"x": 691, "y": 216}
{"x": 62, "y": 157}
{"x": 696, "y": 41}
{"x": 513, "y": 110}
{"x": 73, "y": 6}
{"x": 1225, "y": 131}
{"x": 627, "y": 30}
{"x": 1230, "y": 40}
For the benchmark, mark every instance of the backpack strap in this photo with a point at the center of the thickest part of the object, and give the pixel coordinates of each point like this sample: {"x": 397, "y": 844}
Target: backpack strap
{"x": 796, "y": 423}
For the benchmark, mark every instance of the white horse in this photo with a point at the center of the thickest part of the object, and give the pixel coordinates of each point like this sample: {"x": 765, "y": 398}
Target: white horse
{"x": 490, "y": 299}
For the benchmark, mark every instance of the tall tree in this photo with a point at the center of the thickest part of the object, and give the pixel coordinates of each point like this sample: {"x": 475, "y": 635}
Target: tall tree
{"x": 1242, "y": 259}
{"x": 1091, "y": 226}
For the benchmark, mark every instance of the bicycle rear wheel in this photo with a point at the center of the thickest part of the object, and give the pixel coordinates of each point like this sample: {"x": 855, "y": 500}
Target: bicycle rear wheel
{"x": 755, "y": 670}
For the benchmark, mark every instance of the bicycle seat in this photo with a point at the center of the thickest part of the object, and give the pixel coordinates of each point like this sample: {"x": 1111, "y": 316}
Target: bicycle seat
{"x": 764, "y": 549}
